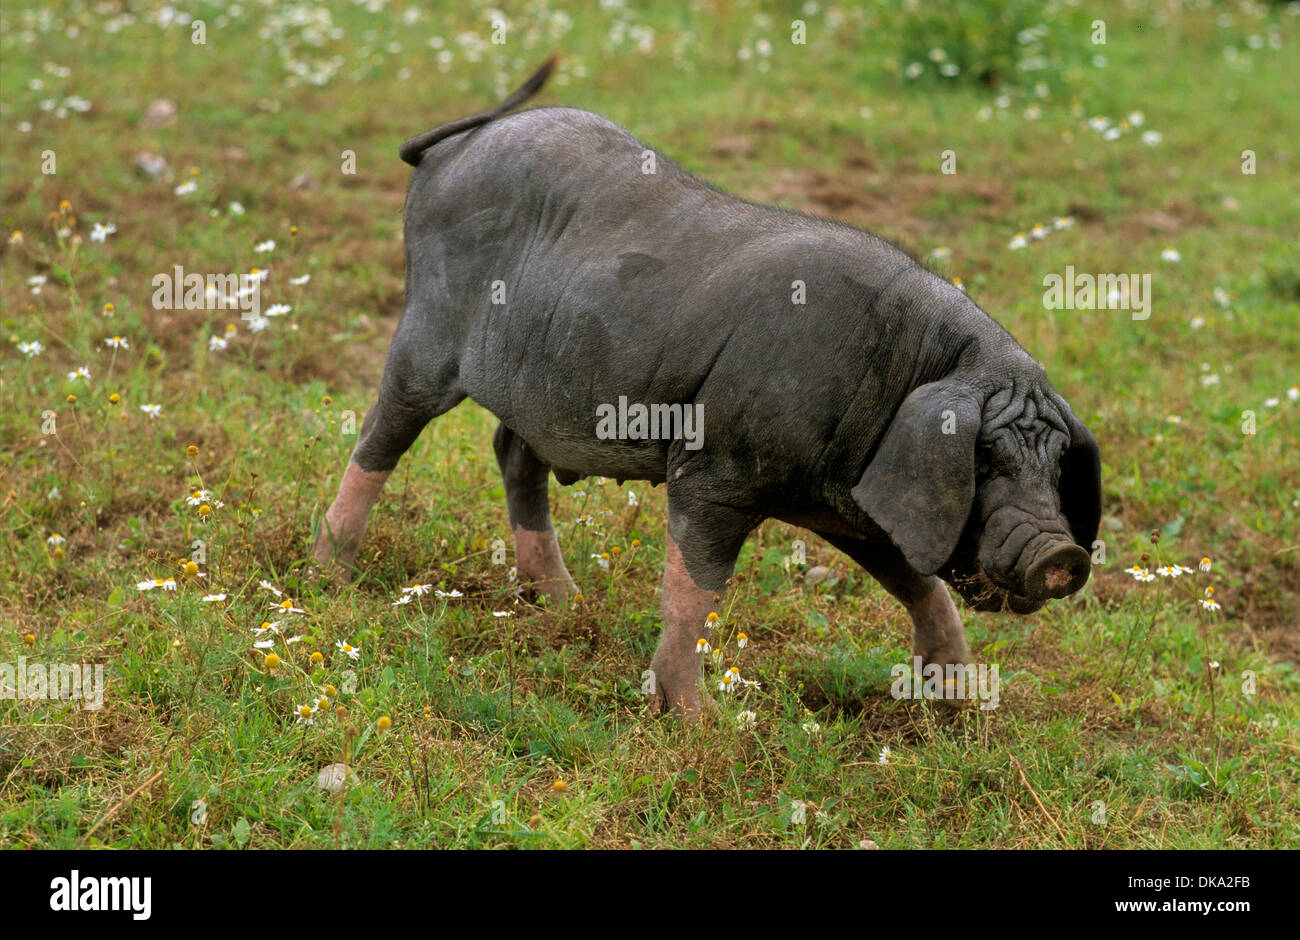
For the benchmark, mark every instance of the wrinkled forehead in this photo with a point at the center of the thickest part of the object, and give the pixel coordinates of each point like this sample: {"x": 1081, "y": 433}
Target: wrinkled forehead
{"x": 1024, "y": 416}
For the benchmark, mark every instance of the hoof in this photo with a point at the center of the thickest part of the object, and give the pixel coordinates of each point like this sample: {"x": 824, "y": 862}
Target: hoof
{"x": 335, "y": 562}
{"x": 555, "y": 590}
{"x": 681, "y": 697}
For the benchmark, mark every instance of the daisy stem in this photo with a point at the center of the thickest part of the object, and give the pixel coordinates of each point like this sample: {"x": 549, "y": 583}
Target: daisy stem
{"x": 302, "y": 471}
{"x": 1209, "y": 678}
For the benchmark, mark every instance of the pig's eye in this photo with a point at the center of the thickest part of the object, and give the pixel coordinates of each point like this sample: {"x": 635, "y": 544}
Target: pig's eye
{"x": 1004, "y": 460}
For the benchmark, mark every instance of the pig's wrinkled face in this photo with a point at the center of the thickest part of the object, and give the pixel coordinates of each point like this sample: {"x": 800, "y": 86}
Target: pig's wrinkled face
{"x": 998, "y": 492}
{"x": 1018, "y": 548}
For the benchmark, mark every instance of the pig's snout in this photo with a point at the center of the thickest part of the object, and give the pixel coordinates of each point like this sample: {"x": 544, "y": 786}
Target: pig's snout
{"x": 1031, "y": 556}
{"x": 1058, "y": 572}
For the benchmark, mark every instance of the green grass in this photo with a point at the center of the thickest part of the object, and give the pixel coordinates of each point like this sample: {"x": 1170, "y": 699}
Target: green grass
{"x": 1107, "y": 698}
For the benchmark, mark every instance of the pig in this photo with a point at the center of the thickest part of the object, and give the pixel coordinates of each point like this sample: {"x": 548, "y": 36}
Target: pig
{"x": 558, "y": 269}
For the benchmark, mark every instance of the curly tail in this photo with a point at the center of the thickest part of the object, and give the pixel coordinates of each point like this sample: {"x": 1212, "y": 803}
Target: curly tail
{"x": 413, "y": 150}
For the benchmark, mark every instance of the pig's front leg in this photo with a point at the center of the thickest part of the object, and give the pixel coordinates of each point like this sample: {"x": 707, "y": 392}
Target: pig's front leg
{"x": 937, "y": 632}
{"x": 537, "y": 552}
{"x": 701, "y": 549}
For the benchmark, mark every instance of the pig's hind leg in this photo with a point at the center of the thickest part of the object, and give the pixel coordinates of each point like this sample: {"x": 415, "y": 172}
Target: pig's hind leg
{"x": 416, "y": 387}
{"x": 537, "y": 551}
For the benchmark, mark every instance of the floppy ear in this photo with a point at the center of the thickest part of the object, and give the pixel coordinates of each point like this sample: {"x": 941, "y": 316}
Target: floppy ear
{"x": 920, "y": 485}
{"x": 1080, "y": 484}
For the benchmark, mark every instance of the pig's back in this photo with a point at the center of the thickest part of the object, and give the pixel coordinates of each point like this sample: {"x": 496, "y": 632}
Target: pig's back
{"x": 616, "y": 282}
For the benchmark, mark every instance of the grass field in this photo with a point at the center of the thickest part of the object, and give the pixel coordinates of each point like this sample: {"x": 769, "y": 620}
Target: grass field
{"x": 1131, "y": 715}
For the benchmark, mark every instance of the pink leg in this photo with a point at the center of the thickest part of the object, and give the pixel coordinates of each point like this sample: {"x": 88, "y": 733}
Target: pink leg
{"x": 539, "y": 562}
{"x": 937, "y": 633}
{"x": 677, "y": 667}
{"x": 345, "y": 521}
